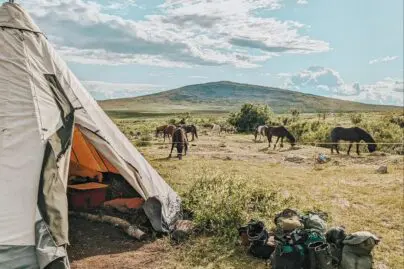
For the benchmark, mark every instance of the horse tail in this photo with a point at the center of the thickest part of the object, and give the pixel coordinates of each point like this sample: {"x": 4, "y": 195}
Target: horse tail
{"x": 334, "y": 135}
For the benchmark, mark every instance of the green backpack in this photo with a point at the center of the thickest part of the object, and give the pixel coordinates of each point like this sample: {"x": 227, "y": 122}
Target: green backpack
{"x": 356, "y": 253}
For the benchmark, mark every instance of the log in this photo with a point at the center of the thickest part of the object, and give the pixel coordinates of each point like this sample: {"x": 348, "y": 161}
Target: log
{"x": 129, "y": 229}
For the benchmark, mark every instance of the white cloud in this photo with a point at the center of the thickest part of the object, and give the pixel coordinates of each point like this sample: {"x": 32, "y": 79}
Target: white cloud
{"x": 388, "y": 91}
{"x": 198, "y": 77}
{"x": 383, "y": 59}
{"x": 185, "y": 33}
{"x": 328, "y": 82}
{"x": 302, "y": 2}
{"x": 101, "y": 90}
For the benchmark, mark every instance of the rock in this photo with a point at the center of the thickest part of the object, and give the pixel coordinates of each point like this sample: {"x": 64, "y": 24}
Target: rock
{"x": 294, "y": 158}
{"x": 381, "y": 266}
{"x": 382, "y": 169}
{"x": 182, "y": 230}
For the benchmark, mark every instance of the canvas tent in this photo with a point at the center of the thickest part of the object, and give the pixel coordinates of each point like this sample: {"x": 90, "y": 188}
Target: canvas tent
{"x": 42, "y": 107}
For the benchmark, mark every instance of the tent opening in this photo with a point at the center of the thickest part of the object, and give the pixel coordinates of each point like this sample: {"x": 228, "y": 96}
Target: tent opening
{"x": 94, "y": 181}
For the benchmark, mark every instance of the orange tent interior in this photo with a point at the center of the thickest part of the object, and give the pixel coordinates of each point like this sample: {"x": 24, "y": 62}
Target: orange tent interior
{"x": 86, "y": 161}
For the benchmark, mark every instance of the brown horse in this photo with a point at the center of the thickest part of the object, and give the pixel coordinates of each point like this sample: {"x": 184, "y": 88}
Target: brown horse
{"x": 168, "y": 131}
{"x": 280, "y": 132}
{"x": 179, "y": 139}
{"x": 190, "y": 129}
{"x": 160, "y": 129}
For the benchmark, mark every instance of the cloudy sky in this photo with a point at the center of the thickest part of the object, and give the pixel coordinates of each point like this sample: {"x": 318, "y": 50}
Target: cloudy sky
{"x": 341, "y": 48}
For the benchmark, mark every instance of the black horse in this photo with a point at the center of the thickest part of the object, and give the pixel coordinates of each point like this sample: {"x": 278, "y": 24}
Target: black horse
{"x": 190, "y": 129}
{"x": 281, "y": 132}
{"x": 179, "y": 139}
{"x": 354, "y": 134}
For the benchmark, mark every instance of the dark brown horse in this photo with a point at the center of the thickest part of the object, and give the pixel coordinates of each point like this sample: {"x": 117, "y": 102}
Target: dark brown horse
{"x": 179, "y": 139}
{"x": 160, "y": 129}
{"x": 190, "y": 129}
{"x": 281, "y": 132}
{"x": 168, "y": 131}
{"x": 354, "y": 134}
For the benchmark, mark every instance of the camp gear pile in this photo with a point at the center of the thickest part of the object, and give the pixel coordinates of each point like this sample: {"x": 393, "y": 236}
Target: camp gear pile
{"x": 302, "y": 241}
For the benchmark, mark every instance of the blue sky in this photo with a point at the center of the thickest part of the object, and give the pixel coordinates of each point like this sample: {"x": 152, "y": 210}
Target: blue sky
{"x": 339, "y": 48}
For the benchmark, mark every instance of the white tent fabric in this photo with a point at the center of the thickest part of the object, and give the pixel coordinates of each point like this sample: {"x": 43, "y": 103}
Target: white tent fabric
{"x": 29, "y": 116}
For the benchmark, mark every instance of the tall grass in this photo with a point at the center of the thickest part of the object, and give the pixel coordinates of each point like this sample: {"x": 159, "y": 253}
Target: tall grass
{"x": 221, "y": 202}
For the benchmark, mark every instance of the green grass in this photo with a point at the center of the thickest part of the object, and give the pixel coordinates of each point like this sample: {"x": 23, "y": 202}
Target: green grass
{"x": 226, "y": 186}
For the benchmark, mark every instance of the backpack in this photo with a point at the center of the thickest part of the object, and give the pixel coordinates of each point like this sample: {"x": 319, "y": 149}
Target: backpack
{"x": 290, "y": 250}
{"x": 257, "y": 236}
{"x": 288, "y": 220}
{"x": 356, "y": 252}
{"x": 314, "y": 221}
{"x": 335, "y": 237}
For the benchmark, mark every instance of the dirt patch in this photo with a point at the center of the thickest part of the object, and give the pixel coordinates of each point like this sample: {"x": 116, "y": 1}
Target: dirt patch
{"x": 100, "y": 245}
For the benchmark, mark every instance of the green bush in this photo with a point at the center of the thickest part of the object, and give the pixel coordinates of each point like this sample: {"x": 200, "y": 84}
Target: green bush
{"x": 220, "y": 203}
{"x": 250, "y": 116}
{"x": 144, "y": 141}
{"x": 356, "y": 118}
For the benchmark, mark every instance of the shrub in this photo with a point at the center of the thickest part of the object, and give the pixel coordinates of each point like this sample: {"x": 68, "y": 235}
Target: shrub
{"x": 356, "y": 118}
{"x": 221, "y": 202}
{"x": 144, "y": 141}
{"x": 250, "y": 116}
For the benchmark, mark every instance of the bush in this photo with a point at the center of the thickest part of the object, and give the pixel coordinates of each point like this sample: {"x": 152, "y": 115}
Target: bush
{"x": 144, "y": 141}
{"x": 220, "y": 203}
{"x": 356, "y": 118}
{"x": 250, "y": 116}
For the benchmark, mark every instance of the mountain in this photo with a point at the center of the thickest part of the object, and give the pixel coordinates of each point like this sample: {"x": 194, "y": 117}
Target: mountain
{"x": 229, "y": 96}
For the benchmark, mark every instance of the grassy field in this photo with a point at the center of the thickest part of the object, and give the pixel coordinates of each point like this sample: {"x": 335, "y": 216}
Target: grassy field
{"x": 226, "y": 180}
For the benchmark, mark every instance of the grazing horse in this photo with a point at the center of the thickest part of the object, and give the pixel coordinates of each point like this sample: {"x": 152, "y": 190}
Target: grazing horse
{"x": 260, "y": 130}
{"x": 179, "y": 139}
{"x": 160, "y": 129}
{"x": 354, "y": 134}
{"x": 280, "y": 132}
{"x": 216, "y": 129}
{"x": 190, "y": 129}
{"x": 168, "y": 131}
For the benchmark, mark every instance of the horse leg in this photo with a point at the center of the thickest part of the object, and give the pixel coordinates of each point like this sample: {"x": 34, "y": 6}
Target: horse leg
{"x": 336, "y": 148}
{"x": 282, "y": 142}
{"x": 186, "y": 148}
{"x": 172, "y": 147}
{"x": 276, "y": 142}
{"x": 349, "y": 147}
{"x": 357, "y": 148}
{"x": 269, "y": 140}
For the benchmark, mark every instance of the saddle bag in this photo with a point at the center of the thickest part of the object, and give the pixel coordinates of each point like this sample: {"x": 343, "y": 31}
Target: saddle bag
{"x": 356, "y": 253}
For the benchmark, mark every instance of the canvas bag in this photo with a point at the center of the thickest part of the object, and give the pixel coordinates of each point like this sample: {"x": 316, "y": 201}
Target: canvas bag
{"x": 356, "y": 253}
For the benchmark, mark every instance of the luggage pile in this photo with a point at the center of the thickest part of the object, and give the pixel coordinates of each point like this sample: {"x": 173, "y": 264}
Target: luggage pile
{"x": 302, "y": 241}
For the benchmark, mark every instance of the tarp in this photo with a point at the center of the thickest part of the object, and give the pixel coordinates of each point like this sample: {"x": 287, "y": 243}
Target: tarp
{"x": 35, "y": 84}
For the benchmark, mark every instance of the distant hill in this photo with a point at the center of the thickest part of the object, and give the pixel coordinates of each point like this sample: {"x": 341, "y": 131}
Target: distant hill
{"x": 229, "y": 96}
